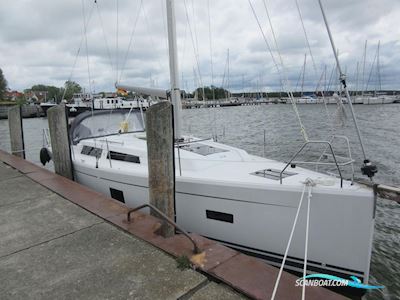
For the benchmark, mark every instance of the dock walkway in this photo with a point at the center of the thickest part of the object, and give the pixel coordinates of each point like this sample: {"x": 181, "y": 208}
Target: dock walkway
{"x": 60, "y": 240}
{"x": 52, "y": 249}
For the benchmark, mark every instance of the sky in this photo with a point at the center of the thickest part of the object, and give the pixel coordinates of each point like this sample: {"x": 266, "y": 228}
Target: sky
{"x": 46, "y": 42}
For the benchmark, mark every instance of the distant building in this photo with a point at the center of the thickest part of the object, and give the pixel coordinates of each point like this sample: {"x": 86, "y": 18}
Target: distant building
{"x": 12, "y": 95}
{"x": 36, "y": 96}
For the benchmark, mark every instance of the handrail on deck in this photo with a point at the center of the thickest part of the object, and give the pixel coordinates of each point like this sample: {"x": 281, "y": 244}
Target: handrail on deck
{"x": 346, "y": 139}
{"x": 301, "y": 149}
{"x": 196, "y": 248}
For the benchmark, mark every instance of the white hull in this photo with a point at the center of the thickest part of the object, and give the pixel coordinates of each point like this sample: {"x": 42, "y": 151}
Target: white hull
{"x": 378, "y": 100}
{"x": 226, "y": 194}
{"x": 262, "y": 217}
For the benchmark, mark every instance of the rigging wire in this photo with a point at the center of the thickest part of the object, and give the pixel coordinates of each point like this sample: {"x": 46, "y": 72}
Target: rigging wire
{"x": 195, "y": 27}
{"x": 313, "y": 63}
{"x": 149, "y": 33}
{"x": 116, "y": 43}
{"x": 163, "y": 13}
{"x": 372, "y": 69}
{"x": 211, "y": 48}
{"x": 86, "y": 45}
{"x": 78, "y": 52}
{"x": 285, "y": 80}
{"x": 306, "y": 36}
{"x": 212, "y": 70}
{"x": 124, "y": 62}
{"x": 196, "y": 54}
{"x": 87, "y": 61}
{"x": 104, "y": 36}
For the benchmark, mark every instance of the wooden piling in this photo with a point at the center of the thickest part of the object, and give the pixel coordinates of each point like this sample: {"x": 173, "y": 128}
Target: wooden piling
{"x": 16, "y": 131}
{"x": 60, "y": 144}
{"x": 160, "y": 153}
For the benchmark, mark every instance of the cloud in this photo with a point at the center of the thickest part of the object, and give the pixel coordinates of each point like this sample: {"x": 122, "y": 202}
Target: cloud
{"x": 39, "y": 42}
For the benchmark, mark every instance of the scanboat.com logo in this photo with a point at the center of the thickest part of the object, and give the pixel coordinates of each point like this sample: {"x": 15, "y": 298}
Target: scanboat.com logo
{"x": 330, "y": 280}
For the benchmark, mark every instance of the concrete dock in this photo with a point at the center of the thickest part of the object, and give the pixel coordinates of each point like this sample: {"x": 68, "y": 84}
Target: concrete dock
{"x": 60, "y": 240}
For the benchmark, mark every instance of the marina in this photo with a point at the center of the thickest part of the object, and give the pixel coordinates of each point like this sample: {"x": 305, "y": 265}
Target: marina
{"x": 204, "y": 158}
{"x": 234, "y": 118}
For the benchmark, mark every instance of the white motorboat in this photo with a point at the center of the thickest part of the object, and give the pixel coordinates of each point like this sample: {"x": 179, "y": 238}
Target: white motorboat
{"x": 82, "y": 102}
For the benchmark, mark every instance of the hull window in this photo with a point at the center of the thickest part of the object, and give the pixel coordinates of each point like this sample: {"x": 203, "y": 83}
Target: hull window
{"x": 202, "y": 149}
{"x": 219, "y": 216}
{"x": 91, "y": 151}
{"x": 117, "y": 195}
{"x": 124, "y": 157}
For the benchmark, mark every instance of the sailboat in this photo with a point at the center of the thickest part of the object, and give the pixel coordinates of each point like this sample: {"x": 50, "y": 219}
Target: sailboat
{"x": 377, "y": 97}
{"x": 228, "y": 195}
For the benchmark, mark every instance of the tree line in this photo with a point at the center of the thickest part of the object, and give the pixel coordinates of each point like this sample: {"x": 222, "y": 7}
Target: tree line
{"x": 56, "y": 94}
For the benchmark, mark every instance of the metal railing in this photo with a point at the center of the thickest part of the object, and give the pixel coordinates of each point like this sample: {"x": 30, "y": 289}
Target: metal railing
{"x": 329, "y": 146}
{"x": 324, "y": 154}
{"x": 196, "y": 248}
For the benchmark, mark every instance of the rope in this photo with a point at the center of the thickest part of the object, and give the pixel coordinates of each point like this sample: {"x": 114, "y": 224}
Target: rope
{"x": 310, "y": 183}
{"x": 307, "y": 183}
{"x": 287, "y": 246}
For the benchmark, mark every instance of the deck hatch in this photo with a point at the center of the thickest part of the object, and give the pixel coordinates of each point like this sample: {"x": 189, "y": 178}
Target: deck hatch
{"x": 91, "y": 151}
{"x": 124, "y": 157}
{"x": 219, "y": 216}
{"x": 201, "y": 149}
{"x": 273, "y": 174}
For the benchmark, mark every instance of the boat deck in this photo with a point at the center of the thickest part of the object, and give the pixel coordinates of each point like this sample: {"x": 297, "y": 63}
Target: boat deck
{"x": 226, "y": 165}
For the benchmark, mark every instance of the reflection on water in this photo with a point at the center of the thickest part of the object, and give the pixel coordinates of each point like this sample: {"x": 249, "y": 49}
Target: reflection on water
{"x": 244, "y": 127}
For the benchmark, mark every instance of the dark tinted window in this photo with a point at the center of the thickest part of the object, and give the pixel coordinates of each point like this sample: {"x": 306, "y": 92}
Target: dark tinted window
{"x": 117, "y": 195}
{"x": 124, "y": 157}
{"x": 91, "y": 151}
{"x": 219, "y": 216}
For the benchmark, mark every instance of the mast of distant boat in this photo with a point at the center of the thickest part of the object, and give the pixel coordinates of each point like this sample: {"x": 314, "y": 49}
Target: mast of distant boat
{"x": 303, "y": 75}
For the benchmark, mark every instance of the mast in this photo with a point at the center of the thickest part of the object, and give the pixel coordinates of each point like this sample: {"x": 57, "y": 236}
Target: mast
{"x": 303, "y": 75}
{"x": 368, "y": 169}
{"x": 378, "y": 67}
{"x": 363, "y": 70}
{"x": 173, "y": 67}
{"x": 357, "y": 74}
{"x": 229, "y": 94}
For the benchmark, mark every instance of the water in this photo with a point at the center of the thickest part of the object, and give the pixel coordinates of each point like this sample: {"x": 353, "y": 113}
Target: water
{"x": 244, "y": 127}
